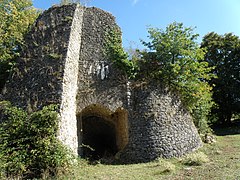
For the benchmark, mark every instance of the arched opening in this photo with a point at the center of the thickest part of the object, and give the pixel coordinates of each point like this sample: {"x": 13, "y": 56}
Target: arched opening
{"x": 101, "y": 133}
{"x": 99, "y": 136}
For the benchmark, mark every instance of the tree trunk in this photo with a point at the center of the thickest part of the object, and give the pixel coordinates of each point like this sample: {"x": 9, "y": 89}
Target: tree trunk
{"x": 228, "y": 118}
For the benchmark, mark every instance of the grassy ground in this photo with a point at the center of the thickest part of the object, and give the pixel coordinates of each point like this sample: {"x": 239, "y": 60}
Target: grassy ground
{"x": 220, "y": 161}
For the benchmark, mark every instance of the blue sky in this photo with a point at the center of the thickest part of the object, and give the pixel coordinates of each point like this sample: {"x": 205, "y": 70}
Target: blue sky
{"x": 133, "y": 16}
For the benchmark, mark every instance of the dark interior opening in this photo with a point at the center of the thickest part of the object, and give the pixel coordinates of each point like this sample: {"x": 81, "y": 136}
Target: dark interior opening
{"x": 98, "y": 138}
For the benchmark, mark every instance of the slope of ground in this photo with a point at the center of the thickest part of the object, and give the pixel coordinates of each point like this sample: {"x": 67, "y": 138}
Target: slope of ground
{"x": 219, "y": 161}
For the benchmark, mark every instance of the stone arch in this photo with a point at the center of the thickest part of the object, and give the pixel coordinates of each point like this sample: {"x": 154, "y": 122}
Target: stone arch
{"x": 101, "y": 132}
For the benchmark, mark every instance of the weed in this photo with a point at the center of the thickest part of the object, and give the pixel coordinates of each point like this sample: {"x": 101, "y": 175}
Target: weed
{"x": 166, "y": 166}
{"x": 195, "y": 159}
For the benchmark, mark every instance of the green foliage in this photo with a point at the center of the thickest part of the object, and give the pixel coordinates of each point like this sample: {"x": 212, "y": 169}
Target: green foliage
{"x": 29, "y": 146}
{"x": 116, "y": 53}
{"x": 15, "y": 18}
{"x": 176, "y": 60}
{"x": 223, "y": 53}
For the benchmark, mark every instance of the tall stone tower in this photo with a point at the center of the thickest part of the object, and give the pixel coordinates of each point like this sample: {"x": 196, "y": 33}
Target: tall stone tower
{"x": 65, "y": 63}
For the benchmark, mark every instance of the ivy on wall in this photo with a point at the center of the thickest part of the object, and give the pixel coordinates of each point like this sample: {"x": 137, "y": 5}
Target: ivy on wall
{"x": 116, "y": 53}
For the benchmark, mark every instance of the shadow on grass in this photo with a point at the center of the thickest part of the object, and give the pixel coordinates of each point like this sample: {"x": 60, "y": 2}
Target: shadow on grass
{"x": 223, "y": 130}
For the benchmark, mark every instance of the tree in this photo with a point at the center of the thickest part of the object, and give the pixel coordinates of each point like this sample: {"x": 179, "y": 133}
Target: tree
{"x": 176, "y": 60}
{"x": 223, "y": 52}
{"x": 15, "y": 18}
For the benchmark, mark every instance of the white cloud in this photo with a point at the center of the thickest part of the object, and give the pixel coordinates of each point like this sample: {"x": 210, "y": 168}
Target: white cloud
{"x": 134, "y": 2}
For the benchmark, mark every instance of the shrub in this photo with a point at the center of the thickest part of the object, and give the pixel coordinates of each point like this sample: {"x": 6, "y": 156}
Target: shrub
{"x": 29, "y": 147}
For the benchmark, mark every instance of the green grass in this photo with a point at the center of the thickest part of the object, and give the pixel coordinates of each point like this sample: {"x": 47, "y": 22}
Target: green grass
{"x": 218, "y": 161}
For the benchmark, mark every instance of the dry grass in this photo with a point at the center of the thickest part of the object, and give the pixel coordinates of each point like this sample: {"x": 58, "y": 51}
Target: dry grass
{"x": 195, "y": 159}
{"x": 218, "y": 161}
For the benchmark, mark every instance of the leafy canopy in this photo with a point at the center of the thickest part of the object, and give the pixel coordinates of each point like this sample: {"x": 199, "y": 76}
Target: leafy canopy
{"x": 15, "y": 18}
{"x": 176, "y": 60}
{"x": 223, "y": 53}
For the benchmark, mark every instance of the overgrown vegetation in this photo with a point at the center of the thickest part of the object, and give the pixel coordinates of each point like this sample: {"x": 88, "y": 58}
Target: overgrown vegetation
{"x": 175, "y": 59}
{"x": 116, "y": 53}
{"x": 29, "y": 147}
{"x": 15, "y": 16}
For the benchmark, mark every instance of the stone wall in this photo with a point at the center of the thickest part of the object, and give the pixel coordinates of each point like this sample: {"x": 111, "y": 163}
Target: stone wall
{"x": 159, "y": 125}
{"x": 99, "y": 81}
{"x": 100, "y": 84}
{"x": 65, "y": 63}
{"x": 38, "y": 76}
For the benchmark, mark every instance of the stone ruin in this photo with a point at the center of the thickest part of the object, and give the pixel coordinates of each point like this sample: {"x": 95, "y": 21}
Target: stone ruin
{"x": 101, "y": 113}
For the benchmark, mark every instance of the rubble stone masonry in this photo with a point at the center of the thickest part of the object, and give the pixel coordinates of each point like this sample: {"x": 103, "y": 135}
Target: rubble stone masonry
{"x": 65, "y": 63}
